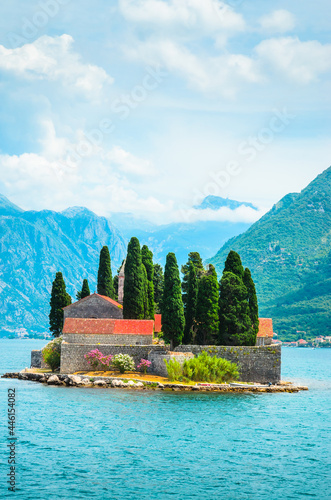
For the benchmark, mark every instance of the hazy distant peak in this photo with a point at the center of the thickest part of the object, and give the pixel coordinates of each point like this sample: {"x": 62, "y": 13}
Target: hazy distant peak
{"x": 7, "y": 207}
{"x": 216, "y": 202}
{"x": 74, "y": 211}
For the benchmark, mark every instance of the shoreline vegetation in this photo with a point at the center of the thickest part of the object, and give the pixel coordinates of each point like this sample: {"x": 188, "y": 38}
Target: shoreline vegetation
{"x": 138, "y": 381}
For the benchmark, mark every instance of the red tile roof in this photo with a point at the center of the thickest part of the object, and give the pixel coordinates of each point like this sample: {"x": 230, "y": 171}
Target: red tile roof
{"x": 158, "y": 323}
{"x": 108, "y": 326}
{"x": 265, "y": 328}
{"x": 108, "y": 299}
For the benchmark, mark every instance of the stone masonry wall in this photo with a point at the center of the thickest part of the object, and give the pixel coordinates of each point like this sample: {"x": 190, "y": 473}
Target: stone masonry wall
{"x": 37, "y": 360}
{"x": 94, "y": 307}
{"x": 256, "y": 364}
{"x": 72, "y": 355}
{"x": 157, "y": 359}
{"x": 113, "y": 339}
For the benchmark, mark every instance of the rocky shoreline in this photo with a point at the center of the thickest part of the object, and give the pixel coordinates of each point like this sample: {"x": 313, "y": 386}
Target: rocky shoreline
{"x": 71, "y": 380}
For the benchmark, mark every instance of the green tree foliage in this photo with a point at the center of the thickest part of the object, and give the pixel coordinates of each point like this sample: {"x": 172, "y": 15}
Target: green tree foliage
{"x": 145, "y": 292}
{"x": 203, "y": 368}
{"x": 105, "y": 278}
{"x": 252, "y": 304}
{"x": 84, "y": 292}
{"x": 51, "y": 353}
{"x": 191, "y": 304}
{"x": 133, "y": 301}
{"x": 233, "y": 264}
{"x": 207, "y": 319}
{"x": 173, "y": 320}
{"x": 147, "y": 260}
{"x": 59, "y": 299}
{"x": 158, "y": 283}
{"x": 195, "y": 259}
{"x": 115, "y": 285}
{"x": 235, "y": 323}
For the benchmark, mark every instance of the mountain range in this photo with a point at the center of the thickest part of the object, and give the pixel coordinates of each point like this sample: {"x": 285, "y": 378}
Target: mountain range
{"x": 34, "y": 245}
{"x": 288, "y": 251}
{"x": 289, "y": 254}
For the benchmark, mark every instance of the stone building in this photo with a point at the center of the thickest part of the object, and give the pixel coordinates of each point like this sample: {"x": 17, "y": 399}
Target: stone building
{"x": 265, "y": 333}
{"x": 108, "y": 331}
{"x": 121, "y": 284}
{"x": 94, "y": 306}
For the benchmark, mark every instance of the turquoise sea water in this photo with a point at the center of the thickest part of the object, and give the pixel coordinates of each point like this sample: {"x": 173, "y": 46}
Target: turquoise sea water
{"x": 118, "y": 444}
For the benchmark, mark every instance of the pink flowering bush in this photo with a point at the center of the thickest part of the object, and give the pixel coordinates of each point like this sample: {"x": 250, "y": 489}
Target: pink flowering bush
{"x": 144, "y": 365}
{"x": 95, "y": 357}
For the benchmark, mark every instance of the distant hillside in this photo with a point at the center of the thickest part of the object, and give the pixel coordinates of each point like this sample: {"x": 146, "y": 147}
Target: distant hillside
{"x": 204, "y": 237}
{"x": 35, "y": 245}
{"x": 288, "y": 252}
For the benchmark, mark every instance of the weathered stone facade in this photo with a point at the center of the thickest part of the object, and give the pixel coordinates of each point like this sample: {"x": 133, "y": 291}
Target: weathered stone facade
{"x": 255, "y": 364}
{"x": 93, "y": 306}
{"x": 158, "y": 359}
{"x": 72, "y": 355}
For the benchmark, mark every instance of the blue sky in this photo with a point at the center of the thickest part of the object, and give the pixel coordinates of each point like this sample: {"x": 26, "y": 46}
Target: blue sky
{"x": 147, "y": 106}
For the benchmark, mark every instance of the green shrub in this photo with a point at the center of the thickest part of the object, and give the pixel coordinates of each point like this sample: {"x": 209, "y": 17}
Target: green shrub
{"x": 203, "y": 368}
{"x": 123, "y": 362}
{"x": 51, "y": 353}
{"x": 174, "y": 369}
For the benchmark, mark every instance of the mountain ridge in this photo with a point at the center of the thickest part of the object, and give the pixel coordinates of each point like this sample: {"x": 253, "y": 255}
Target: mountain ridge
{"x": 284, "y": 248}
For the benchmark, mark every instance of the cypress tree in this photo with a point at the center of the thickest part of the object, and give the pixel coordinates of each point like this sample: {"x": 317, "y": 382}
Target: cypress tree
{"x": 195, "y": 259}
{"x": 105, "y": 279}
{"x": 59, "y": 299}
{"x": 147, "y": 260}
{"x": 158, "y": 283}
{"x": 145, "y": 292}
{"x": 191, "y": 304}
{"x": 173, "y": 320}
{"x": 252, "y": 304}
{"x": 207, "y": 318}
{"x": 84, "y": 292}
{"x": 115, "y": 285}
{"x": 235, "y": 326}
{"x": 233, "y": 264}
{"x": 133, "y": 302}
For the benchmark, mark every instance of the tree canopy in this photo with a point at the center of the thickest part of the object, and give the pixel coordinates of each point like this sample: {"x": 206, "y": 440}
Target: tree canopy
{"x": 85, "y": 291}
{"x": 59, "y": 299}
{"x": 105, "y": 279}
{"x": 233, "y": 264}
{"x": 207, "y": 319}
{"x": 133, "y": 301}
{"x": 235, "y": 327}
{"x": 191, "y": 304}
{"x": 158, "y": 283}
{"x": 173, "y": 320}
{"x": 147, "y": 260}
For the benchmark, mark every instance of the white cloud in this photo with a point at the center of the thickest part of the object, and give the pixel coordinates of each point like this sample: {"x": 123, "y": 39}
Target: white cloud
{"x": 35, "y": 182}
{"x": 216, "y": 74}
{"x": 52, "y": 58}
{"x": 279, "y": 21}
{"x": 200, "y": 17}
{"x": 130, "y": 164}
{"x": 240, "y": 214}
{"x": 302, "y": 62}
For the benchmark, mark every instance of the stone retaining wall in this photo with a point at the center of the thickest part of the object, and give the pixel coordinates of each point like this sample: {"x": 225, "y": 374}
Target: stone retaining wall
{"x": 72, "y": 355}
{"x": 112, "y": 339}
{"x": 157, "y": 359}
{"x": 37, "y": 360}
{"x": 256, "y": 364}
